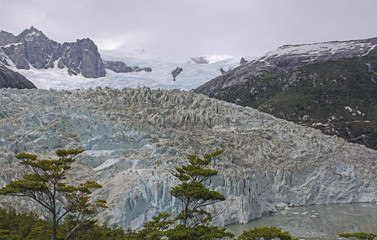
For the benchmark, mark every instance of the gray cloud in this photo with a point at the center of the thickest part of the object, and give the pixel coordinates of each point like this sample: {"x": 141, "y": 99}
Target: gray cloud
{"x": 179, "y": 29}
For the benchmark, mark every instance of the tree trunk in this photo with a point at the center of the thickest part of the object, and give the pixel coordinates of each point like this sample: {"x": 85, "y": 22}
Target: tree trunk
{"x": 54, "y": 227}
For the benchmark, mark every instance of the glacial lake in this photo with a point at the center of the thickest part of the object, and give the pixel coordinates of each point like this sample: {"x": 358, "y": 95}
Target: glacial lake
{"x": 318, "y": 222}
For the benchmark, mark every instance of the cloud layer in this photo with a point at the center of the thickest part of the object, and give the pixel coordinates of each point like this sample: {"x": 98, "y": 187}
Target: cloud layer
{"x": 179, "y": 29}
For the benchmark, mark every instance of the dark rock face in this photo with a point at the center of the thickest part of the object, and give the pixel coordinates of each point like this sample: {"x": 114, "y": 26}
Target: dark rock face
{"x": 82, "y": 57}
{"x": 32, "y": 47}
{"x": 121, "y": 67}
{"x": 176, "y": 72}
{"x": 243, "y": 61}
{"x": 199, "y": 60}
{"x": 6, "y": 38}
{"x": 11, "y": 79}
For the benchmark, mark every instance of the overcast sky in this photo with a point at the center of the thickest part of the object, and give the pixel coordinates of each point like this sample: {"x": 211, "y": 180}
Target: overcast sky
{"x": 179, "y": 29}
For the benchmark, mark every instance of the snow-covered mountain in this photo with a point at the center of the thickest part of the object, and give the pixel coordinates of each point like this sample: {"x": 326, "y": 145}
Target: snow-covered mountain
{"x": 288, "y": 58}
{"x": 80, "y": 64}
{"x": 192, "y": 76}
{"x": 32, "y": 48}
{"x": 330, "y": 86}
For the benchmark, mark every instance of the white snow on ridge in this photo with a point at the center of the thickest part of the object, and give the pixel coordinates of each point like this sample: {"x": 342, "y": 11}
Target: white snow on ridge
{"x": 317, "y": 48}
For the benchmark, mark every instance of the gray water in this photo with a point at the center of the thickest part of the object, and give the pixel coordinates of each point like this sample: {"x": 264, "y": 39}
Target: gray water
{"x": 319, "y": 222}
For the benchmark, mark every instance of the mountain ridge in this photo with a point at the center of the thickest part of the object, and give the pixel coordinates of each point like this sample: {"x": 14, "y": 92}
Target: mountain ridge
{"x": 297, "y": 83}
{"x": 32, "y": 48}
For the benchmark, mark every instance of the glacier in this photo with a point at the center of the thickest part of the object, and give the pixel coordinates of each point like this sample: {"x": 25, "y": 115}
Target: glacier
{"x": 134, "y": 138}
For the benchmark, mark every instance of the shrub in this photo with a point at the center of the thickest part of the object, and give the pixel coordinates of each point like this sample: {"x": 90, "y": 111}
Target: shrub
{"x": 359, "y": 235}
{"x": 266, "y": 233}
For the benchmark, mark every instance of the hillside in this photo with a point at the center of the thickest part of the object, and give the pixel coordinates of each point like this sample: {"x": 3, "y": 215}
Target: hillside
{"x": 11, "y": 79}
{"x": 334, "y": 90}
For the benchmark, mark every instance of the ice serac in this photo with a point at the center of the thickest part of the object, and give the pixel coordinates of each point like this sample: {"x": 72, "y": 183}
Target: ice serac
{"x": 32, "y": 48}
{"x": 135, "y": 137}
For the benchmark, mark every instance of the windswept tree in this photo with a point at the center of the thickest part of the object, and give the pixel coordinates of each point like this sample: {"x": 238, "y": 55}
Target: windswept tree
{"x": 191, "y": 191}
{"x": 192, "y": 223}
{"x": 46, "y": 184}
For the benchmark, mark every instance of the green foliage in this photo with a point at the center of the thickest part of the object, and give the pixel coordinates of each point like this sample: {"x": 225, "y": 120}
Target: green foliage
{"x": 269, "y": 76}
{"x": 23, "y": 226}
{"x": 155, "y": 229}
{"x": 265, "y": 233}
{"x": 359, "y": 235}
{"x": 191, "y": 191}
{"x": 200, "y": 232}
{"x": 46, "y": 184}
{"x": 29, "y": 227}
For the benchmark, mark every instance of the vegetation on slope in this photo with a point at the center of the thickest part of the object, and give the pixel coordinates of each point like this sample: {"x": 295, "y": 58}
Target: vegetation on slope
{"x": 337, "y": 97}
{"x": 28, "y": 226}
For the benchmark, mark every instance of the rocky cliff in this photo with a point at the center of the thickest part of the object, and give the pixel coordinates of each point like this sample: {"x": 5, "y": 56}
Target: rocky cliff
{"x": 329, "y": 86}
{"x": 6, "y": 38}
{"x": 82, "y": 57}
{"x": 10, "y": 79}
{"x": 135, "y": 137}
{"x": 121, "y": 67}
{"x": 33, "y": 48}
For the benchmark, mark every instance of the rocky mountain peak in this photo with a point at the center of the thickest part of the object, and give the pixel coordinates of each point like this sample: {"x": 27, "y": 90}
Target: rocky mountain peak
{"x": 31, "y": 34}
{"x": 121, "y": 67}
{"x": 33, "y": 47}
{"x": 82, "y": 57}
